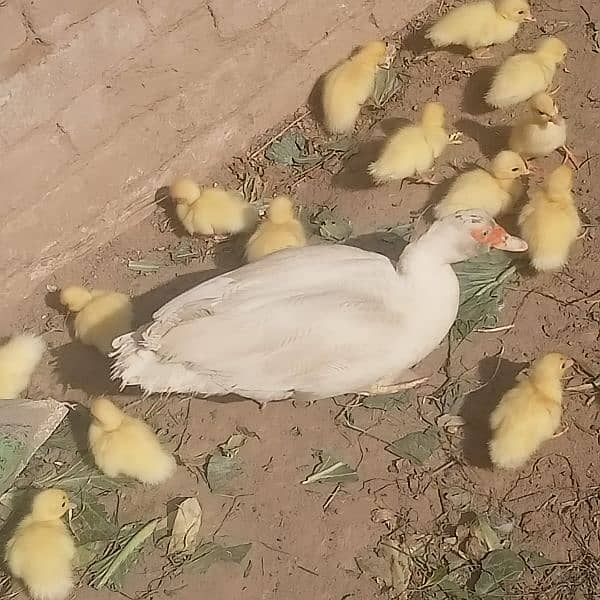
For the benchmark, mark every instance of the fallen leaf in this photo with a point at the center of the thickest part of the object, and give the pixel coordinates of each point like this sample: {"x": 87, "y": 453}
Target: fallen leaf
{"x": 535, "y": 560}
{"x": 386, "y": 401}
{"x": 220, "y": 471}
{"x": 208, "y": 554}
{"x": 417, "y": 446}
{"x": 142, "y": 266}
{"x": 482, "y": 529}
{"x": 290, "y": 150}
{"x": 482, "y": 281}
{"x": 186, "y": 527}
{"x": 330, "y": 470}
{"x": 231, "y": 447}
{"x": 498, "y": 567}
{"x": 458, "y": 497}
{"x": 450, "y": 421}
{"x": 387, "y": 85}
{"x": 110, "y": 570}
{"x": 91, "y": 523}
{"x": 330, "y": 226}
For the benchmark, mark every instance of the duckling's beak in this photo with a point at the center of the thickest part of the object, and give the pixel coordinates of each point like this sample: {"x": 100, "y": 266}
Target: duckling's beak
{"x": 499, "y": 238}
{"x": 530, "y": 18}
{"x": 71, "y": 506}
{"x": 568, "y": 363}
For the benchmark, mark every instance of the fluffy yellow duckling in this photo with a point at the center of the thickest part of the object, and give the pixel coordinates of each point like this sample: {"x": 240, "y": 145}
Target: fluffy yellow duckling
{"x": 122, "y": 445}
{"x": 549, "y": 222}
{"x": 480, "y": 24}
{"x": 42, "y": 550}
{"x": 529, "y": 414}
{"x": 413, "y": 149}
{"x": 101, "y": 316}
{"x": 523, "y": 75}
{"x": 280, "y": 230}
{"x": 211, "y": 211}
{"x": 18, "y": 359}
{"x": 495, "y": 189}
{"x": 540, "y": 132}
{"x": 349, "y": 85}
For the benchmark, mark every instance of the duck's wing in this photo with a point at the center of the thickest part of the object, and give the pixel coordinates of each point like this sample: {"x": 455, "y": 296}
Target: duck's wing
{"x": 267, "y": 327}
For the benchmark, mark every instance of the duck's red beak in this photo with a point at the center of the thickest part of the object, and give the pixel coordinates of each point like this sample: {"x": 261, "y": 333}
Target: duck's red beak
{"x": 499, "y": 238}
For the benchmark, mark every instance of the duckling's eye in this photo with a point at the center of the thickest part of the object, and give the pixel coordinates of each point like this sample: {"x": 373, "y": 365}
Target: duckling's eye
{"x": 541, "y": 112}
{"x": 63, "y": 504}
{"x": 521, "y": 12}
{"x": 515, "y": 169}
{"x": 485, "y": 233}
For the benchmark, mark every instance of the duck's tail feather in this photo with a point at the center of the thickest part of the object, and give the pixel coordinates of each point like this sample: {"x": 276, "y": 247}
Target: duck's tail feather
{"x": 134, "y": 363}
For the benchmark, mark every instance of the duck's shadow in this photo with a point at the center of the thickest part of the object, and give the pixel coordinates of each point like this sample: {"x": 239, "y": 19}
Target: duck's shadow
{"x": 479, "y": 405}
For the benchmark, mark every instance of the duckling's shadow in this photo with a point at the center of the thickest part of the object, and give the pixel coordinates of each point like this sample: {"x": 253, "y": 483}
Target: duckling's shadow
{"x": 315, "y": 102}
{"x": 477, "y": 87}
{"x": 163, "y": 200}
{"x": 82, "y": 367}
{"x": 392, "y": 124}
{"x": 491, "y": 139}
{"x": 479, "y": 405}
{"x": 354, "y": 174}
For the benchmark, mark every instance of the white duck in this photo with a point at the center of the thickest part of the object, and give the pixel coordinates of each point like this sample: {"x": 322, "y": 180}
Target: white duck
{"x": 310, "y": 322}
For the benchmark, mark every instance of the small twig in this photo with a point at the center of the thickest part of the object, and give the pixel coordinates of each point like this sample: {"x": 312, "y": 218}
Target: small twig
{"x": 331, "y": 496}
{"x": 276, "y": 137}
{"x": 495, "y": 329}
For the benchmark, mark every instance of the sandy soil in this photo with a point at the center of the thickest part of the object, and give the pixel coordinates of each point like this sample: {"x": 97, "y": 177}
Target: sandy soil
{"x": 299, "y": 549}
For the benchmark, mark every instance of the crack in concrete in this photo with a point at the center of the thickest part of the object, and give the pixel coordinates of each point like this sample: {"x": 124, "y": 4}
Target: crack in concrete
{"x": 31, "y": 32}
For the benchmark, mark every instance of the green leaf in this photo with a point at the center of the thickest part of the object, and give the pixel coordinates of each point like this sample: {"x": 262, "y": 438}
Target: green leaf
{"x": 208, "y": 554}
{"x": 453, "y": 590}
{"x": 111, "y": 570}
{"x": 330, "y": 470}
{"x": 386, "y": 401}
{"x": 417, "y": 446}
{"x": 498, "y": 567}
{"x": 482, "y": 280}
{"x": 535, "y": 560}
{"x": 81, "y": 475}
{"x": 387, "y": 85}
{"x": 330, "y": 226}
{"x": 290, "y": 150}
{"x": 482, "y": 529}
{"x": 220, "y": 471}
{"x": 91, "y": 523}
{"x": 142, "y": 266}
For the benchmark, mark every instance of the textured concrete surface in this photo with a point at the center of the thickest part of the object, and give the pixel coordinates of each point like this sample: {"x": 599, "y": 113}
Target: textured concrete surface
{"x": 102, "y": 102}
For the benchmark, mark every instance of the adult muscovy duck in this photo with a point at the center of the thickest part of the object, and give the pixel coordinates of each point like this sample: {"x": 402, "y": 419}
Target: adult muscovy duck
{"x": 310, "y": 322}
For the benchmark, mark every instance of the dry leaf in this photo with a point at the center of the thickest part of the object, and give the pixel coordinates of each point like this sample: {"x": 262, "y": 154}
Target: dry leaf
{"x": 184, "y": 535}
{"x": 330, "y": 470}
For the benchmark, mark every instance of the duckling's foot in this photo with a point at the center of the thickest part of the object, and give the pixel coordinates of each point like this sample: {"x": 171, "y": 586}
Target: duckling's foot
{"x": 482, "y": 54}
{"x": 455, "y": 138}
{"x": 425, "y": 180}
{"x": 561, "y": 432}
{"x": 394, "y": 388}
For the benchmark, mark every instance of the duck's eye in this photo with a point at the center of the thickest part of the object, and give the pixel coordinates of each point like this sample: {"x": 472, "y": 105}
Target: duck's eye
{"x": 485, "y": 233}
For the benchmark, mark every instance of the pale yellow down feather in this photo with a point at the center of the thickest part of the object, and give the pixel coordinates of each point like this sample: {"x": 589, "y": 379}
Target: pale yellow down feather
{"x": 41, "y": 551}
{"x": 349, "y": 85}
{"x": 280, "y": 230}
{"x": 523, "y": 75}
{"x": 412, "y": 150}
{"x": 549, "y": 222}
{"x": 479, "y": 24}
{"x": 123, "y": 445}
{"x": 529, "y": 414}
{"x": 495, "y": 190}
{"x": 211, "y": 211}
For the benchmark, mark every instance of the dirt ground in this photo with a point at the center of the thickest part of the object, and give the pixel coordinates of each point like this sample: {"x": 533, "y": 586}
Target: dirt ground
{"x": 299, "y": 548}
